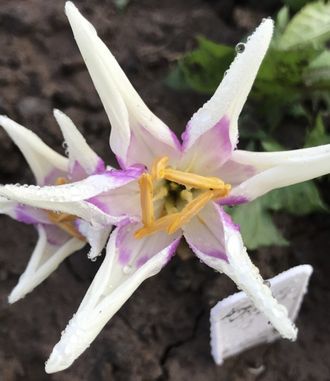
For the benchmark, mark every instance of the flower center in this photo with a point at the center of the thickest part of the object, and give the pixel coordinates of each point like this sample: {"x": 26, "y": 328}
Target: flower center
{"x": 184, "y": 195}
{"x": 65, "y": 221}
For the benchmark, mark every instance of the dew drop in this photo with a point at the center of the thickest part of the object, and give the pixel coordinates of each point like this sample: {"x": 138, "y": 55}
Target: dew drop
{"x": 93, "y": 259}
{"x": 127, "y": 269}
{"x": 267, "y": 283}
{"x": 240, "y": 47}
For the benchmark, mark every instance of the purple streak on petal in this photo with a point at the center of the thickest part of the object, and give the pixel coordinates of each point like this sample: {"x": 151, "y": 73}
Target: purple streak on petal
{"x": 233, "y": 200}
{"x": 185, "y": 137}
{"x": 51, "y": 177}
{"x": 141, "y": 261}
{"x": 55, "y": 235}
{"x": 99, "y": 204}
{"x": 172, "y": 249}
{"x": 30, "y": 215}
{"x": 217, "y": 254}
{"x": 100, "y": 167}
{"x": 124, "y": 256}
{"x": 23, "y": 215}
{"x": 77, "y": 172}
{"x": 228, "y": 221}
{"x": 132, "y": 172}
{"x": 121, "y": 162}
{"x": 219, "y": 139}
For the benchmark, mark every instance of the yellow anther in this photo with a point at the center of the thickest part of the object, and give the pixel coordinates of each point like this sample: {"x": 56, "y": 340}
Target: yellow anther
{"x": 60, "y": 217}
{"x": 65, "y": 222}
{"x": 220, "y": 193}
{"x": 61, "y": 181}
{"x": 170, "y": 208}
{"x": 191, "y": 180}
{"x": 190, "y": 210}
{"x": 159, "y": 225}
{"x": 146, "y": 195}
{"x": 158, "y": 167}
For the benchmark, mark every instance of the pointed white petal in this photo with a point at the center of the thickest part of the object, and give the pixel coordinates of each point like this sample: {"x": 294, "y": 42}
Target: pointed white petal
{"x": 216, "y": 240}
{"x": 284, "y": 169}
{"x": 80, "y": 152}
{"x": 264, "y": 160}
{"x": 45, "y": 259}
{"x": 129, "y": 116}
{"x": 44, "y": 161}
{"x": 70, "y": 198}
{"x": 229, "y": 98}
{"x": 113, "y": 284}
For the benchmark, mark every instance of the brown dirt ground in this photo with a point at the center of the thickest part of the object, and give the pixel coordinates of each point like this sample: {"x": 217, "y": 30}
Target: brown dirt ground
{"x": 40, "y": 68}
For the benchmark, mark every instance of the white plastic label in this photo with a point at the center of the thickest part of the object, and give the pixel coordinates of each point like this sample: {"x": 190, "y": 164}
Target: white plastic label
{"x": 237, "y": 325}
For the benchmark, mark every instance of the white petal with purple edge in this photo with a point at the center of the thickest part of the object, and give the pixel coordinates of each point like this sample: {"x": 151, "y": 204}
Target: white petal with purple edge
{"x": 79, "y": 151}
{"x": 137, "y": 135}
{"x": 291, "y": 169}
{"x": 229, "y": 98}
{"x": 96, "y": 237}
{"x": 42, "y": 160}
{"x": 113, "y": 284}
{"x": 69, "y": 198}
{"x": 45, "y": 259}
{"x": 236, "y": 263}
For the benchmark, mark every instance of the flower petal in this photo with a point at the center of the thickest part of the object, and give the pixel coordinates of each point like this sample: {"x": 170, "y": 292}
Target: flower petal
{"x": 69, "y": 198}
{"x": 230, "y": 257}
{"x": 137, "y": 135}
{"x": 113, "y": 284}
{"x": 96, "y": 237}
{"x": 210, "y": 151}
{"x": 79, "y": 151}
{"x": 45, "y": 163}
{"x": 280, "y": 169}
{"x": 46, "y": 257}
{"x": 229, "y": 98}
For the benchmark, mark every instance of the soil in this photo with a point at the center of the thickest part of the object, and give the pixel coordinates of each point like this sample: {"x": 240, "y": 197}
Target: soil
{"x": 40, "y": 69}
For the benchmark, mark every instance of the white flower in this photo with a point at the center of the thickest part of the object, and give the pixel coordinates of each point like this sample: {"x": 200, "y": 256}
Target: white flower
{"x": 181, "y": 191}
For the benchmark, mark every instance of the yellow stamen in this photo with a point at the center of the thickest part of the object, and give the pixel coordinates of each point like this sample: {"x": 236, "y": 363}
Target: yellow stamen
{"x": 190, "y": 210}
{"x": 65, "y": 222}
{"x": 191, "y": 180}
{"x": 158, "y": 167}
{"x": 158, "y": 225}
{"x": 61, "y": 181}
{"x": 220, "y": 193}
{"x": 146, "y": 194}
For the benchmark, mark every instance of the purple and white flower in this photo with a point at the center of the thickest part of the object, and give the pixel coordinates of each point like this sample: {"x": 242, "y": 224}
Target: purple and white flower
{"x": 61, "y": 232}
{"x": 176, "y": 189}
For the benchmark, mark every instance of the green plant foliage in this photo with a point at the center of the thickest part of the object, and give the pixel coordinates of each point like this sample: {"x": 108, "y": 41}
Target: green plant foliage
{"x": 293, "y": 81}
{"x": 310, "y": 26}
{"x": 257, "y": 226}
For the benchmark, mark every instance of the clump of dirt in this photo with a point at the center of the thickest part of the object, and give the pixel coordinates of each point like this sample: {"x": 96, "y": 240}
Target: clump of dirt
{"x": 40, "y": 69}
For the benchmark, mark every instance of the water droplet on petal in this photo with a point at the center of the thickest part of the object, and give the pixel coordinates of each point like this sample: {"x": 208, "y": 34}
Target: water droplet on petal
{"x": 127, "y": 269}
{"x": 240, "y": 47}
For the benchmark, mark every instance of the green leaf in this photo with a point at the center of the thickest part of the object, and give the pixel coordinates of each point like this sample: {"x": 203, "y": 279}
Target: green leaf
{"x": 257, "y": 226}
{"x": 176, "y": 79}
{"x": 309, "y": 27}
{"x": 282, "y": 20}
{"x": 299, "y": 199}
{"x": 203, "y": 68}
{"x": 317, "y": 73}
{"x": 295, "y": 5}
{"x": 318, "y": 135}
{"x": 271, "y": 145}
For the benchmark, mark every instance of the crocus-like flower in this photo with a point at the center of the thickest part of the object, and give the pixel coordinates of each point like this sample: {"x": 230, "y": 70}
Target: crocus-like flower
{"x": 181, "y": 191}
{"x": 60, "y": 232}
